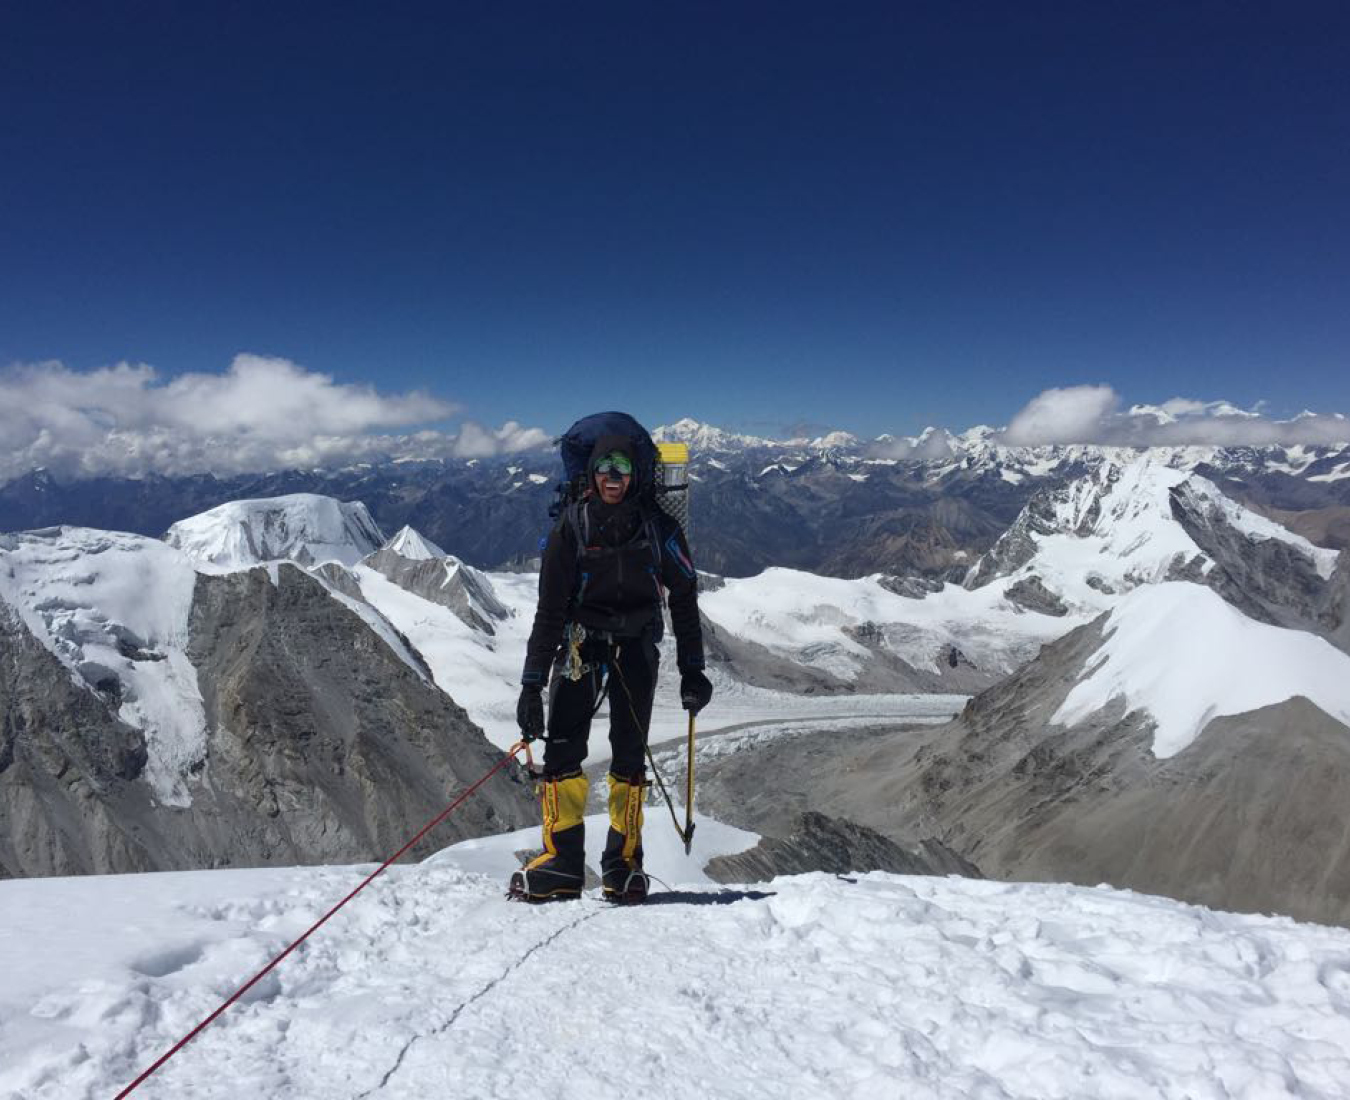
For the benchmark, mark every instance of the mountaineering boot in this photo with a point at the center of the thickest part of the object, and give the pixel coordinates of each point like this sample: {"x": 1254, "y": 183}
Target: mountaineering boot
{"x": 621, "y": 865}
{"x": 560, "y": 871}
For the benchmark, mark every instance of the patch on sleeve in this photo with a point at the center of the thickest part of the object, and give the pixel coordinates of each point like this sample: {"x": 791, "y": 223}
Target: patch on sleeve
{"x": 679, "y": 556}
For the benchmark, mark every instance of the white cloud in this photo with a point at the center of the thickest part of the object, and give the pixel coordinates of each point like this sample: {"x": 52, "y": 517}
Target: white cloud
{"x": 1092, "y": 414}
{"x": 475, "y": 441}
{"x": 1074, "y": 414}
{"x": 261, "y": 414}
{"x": 932, "y": 445}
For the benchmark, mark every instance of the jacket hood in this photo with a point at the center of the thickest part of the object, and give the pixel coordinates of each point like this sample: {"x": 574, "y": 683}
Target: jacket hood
{"x": 607, "y": 444}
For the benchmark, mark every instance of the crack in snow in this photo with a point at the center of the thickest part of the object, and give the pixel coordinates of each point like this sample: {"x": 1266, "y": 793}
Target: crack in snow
{"x": 442, "y": 1028}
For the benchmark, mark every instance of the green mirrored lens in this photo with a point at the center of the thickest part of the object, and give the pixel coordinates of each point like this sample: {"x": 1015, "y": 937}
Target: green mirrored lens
{"x": 617, "y": 462}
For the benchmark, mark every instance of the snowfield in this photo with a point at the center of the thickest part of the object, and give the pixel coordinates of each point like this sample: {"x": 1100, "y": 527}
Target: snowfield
{"x": 303, "y": 527}
{"x": 431, "y": 984}
{"x": 1184, "y": 655}
{"x": 804, "y": 618}
{"x": 1114, "y": 530}
{"x": 482, "y": 672}
{"x": 114, "y": 608}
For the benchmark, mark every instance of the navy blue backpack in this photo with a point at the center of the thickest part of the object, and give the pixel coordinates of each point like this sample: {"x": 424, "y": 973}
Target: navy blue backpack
{"x": 577, "y": 443}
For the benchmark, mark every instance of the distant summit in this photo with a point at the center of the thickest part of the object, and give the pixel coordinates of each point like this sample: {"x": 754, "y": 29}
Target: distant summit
{"x": 704, "y": 437}
{"x": 414, "y": 546}
{"x": 303, "y": 527}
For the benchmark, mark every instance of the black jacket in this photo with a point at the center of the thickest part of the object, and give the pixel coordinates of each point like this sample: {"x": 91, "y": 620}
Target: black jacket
{"x": 604, "y": 566}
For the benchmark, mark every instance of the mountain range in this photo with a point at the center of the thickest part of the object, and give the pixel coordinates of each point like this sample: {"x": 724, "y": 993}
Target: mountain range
{"x": 1134, "y": 645}
{"x": 834, "y": 505}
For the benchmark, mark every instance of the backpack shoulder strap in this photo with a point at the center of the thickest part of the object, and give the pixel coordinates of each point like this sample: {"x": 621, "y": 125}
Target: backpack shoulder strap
{"x": 576, "y": 520}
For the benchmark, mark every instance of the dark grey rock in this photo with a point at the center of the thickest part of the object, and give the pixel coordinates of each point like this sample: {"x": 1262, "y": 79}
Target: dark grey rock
{"x": 1031, "y": 594}
{"x": 339, "y": 578}
{"x": 323, "y": 746}
{"x": 444, "y": 581}
{"x": 914, "y": 588}
{"x": 1242, "y": 819}
{"x": 1269, "y": 580}
{"x": 70, "y": 797}
{"x": 838, "y": 846}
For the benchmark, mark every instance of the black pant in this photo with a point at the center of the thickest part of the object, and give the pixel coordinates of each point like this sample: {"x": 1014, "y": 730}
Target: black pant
{"x": 630, "y": 664}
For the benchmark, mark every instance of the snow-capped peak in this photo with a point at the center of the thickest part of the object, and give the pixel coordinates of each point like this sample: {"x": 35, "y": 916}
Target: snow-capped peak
{"x": 1185, "y": 656}
{"x": 303, "y": 527}
{"x": 832, "y": 441}
{"x": 1123, "y": 525}
{"x": 414, "y": 546}
{"x": 704, "y": 437}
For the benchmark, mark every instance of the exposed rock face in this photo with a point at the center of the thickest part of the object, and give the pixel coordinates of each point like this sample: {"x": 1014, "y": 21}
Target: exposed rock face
{"x": 1031, "y": 594}
{"x": 340, "y": 579}
{"x": 323, "y": 745}
{"x": 1334, "y": 613}
{"x": 445, "y": 581}
{"x": 70, "y": 802}
{"x": 331, "y": 746}
{"x": 820, "y": 843}
{"x": 1269, "y": 580}
{"x": 1244, "y": 818}
{"x": 915, "y": 588}
{"x": 755, "y": 664}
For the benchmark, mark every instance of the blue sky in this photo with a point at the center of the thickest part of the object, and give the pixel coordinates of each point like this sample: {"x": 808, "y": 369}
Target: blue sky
{"x": 754, "y": 214}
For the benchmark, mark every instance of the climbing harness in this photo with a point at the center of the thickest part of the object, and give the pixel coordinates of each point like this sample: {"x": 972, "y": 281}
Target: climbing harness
{"x": 510, "y": 755}
{"x": 576, "y": 668}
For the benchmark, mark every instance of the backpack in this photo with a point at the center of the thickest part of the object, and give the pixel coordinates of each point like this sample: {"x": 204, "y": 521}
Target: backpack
{"x": 661, "y": 473}
{"x": 577, "y": 443}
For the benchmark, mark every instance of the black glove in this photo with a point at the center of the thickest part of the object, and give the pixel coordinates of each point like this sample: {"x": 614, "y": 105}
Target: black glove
{"x": 695, "y": 690}
{"x": 530, "y": 712}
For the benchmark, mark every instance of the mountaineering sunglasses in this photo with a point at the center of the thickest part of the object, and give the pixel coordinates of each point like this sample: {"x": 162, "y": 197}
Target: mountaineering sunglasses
{"x": 619, "y": 463}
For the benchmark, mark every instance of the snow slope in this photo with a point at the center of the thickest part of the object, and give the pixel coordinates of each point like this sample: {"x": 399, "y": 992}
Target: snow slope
{"x": 413, "y": 545}
{"x": 1181, "y": 653}
{"x": 304, "y": 527}
{"x": 804, "y": 617}
{"x": 114, "y": 609}
{"x": 431, "y": 984}
{"x": 1113, "y": 530}
{"x": 482, "y": 672}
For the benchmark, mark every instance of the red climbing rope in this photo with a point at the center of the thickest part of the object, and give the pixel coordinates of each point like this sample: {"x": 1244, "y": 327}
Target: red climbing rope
{"x": 511, "y": 755}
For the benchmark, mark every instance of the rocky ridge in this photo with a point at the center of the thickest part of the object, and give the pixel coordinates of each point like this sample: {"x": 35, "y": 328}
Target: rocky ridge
{"x": 322, "y": 739}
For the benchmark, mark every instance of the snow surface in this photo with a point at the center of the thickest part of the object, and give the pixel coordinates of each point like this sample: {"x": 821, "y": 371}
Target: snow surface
{"x": 1185, "y": 656}
{"x": 303, "y": 527}
{"x": 414, "y": 546}
{"x": 431, "y": 984}
{"x": 1337, "y": 473}
{"x": 383, "y": 629}
{"x": 1261, "y": 529}
{"x": 803, "y": 617}
{"x": 1115, "y": 528}
{"x": 110, "y": 604}
{"x": 482, "y": 672}
{"x": 703, "y": 437}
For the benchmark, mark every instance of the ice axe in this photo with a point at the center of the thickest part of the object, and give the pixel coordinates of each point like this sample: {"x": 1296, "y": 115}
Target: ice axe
{"x": 689, "y": 792}
{"x": 687, "y": 833}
